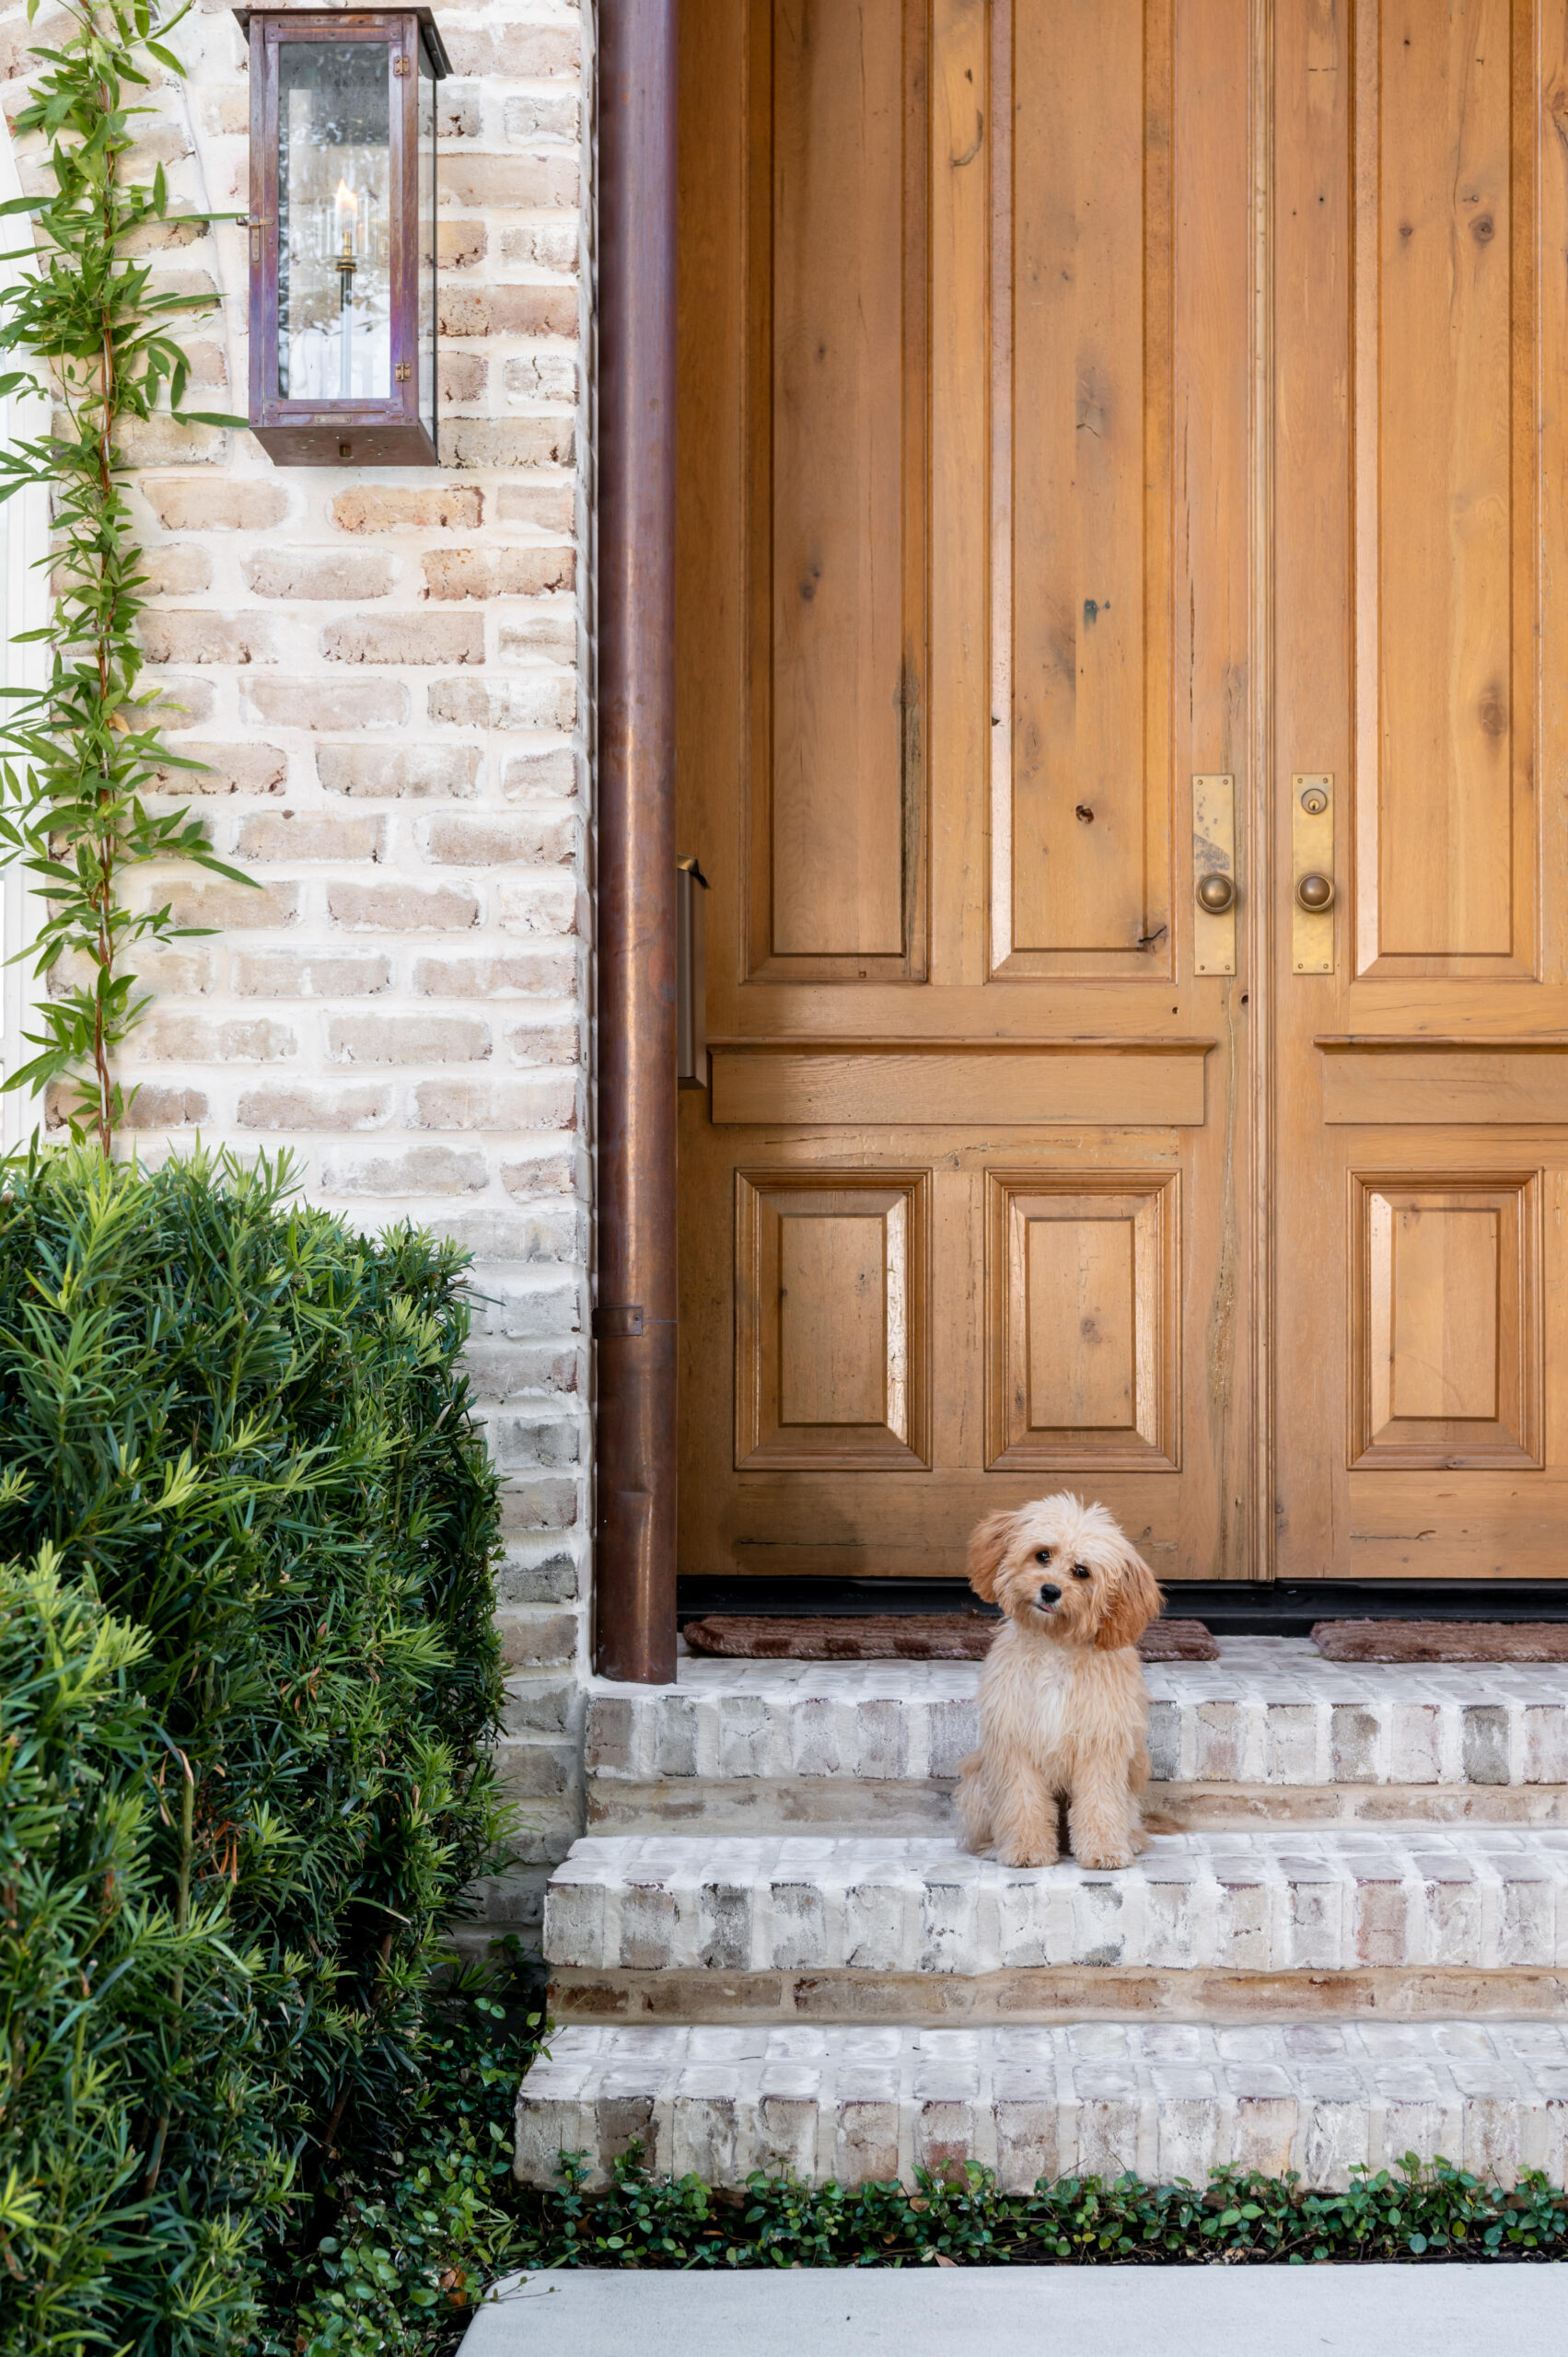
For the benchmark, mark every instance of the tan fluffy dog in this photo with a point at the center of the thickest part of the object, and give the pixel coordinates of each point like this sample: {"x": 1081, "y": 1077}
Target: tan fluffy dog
{"x": 1063, "y": 1706}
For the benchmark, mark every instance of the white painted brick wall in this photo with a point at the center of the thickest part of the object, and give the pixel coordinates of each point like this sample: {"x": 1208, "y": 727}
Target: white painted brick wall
{"x": 385, "y": 671}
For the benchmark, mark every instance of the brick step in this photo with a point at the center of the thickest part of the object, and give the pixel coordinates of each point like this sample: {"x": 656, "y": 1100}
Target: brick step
{"x": 1427, "y": 1921}
{"x": 1271, "y": 1730}
{"x": 1167, "y": 2099}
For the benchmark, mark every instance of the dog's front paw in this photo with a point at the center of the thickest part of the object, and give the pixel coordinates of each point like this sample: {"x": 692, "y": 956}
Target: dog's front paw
{"x": 1019, "y": 1856}
{"x": 1104, "y": 1857}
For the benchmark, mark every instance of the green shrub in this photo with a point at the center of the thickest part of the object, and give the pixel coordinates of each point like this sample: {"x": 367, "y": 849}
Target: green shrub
{"x": 240, "y": 1430}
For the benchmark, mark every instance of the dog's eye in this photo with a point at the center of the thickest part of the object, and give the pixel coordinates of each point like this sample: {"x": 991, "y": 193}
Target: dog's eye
{"x": 1081, "y": 1572}
{"x": 1042, "y": 1554}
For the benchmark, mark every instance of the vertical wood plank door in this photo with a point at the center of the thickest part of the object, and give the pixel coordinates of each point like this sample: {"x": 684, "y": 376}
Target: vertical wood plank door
{"x": 1124, "y": 461}
{"x": 968, "y": 349}
{"x": 1419, "y": 1155}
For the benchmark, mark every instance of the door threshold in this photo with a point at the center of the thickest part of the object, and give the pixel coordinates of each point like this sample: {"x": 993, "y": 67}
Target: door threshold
{"x": 1228, "y": 1608}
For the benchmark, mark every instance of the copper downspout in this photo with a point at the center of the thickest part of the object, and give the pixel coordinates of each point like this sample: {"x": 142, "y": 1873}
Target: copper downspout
{"x": 634, "y": 1519}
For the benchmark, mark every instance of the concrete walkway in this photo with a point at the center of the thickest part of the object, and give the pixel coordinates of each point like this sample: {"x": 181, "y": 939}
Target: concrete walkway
{"x": 1441, "y": 2311}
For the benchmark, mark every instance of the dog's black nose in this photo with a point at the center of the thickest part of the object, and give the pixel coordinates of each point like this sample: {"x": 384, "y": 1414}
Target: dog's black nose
{"x": 1048, "y": 1594}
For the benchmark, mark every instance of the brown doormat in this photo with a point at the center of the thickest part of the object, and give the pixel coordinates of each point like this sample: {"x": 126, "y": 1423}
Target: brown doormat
{"x": 919, "y": 1636}
{"x": 1442, "y": 1640}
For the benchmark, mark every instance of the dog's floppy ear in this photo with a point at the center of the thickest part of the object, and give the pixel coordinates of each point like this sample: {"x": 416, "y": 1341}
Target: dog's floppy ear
{"x": 1136, "y": 1602}
{"x": 988, "y": 1544}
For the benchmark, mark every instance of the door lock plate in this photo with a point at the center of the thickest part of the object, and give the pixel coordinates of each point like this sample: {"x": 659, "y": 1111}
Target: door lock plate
{"x": 1311, "y": 854}
{"x": 1214, "y": 856}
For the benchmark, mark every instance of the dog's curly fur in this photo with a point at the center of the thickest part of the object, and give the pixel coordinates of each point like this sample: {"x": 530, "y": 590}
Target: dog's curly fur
{"x": 1063, "y": 1706}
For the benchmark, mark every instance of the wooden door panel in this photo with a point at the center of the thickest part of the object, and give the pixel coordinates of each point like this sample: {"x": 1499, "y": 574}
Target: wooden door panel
{"x": 1419, "y": 546}
{"x": 832, "y": 1315}
{"x": 1082, "y": 533}
{"x": 836, "y": 556}
{"x": 1445, "y": 1320}
{"x": 967, "y": 599}
{"x": 1082, "y": 1344}
{"x": 1448, "y": 370}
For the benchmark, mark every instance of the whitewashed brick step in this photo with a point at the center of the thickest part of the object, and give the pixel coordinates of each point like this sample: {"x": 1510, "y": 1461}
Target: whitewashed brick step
{"x": 1312, "y": 1901}
{"x": 1269, "y": 1711}
{"x": 1165, "y": 2099}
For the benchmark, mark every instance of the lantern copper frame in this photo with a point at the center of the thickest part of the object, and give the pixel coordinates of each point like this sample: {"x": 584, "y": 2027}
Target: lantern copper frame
{"x": 353, "y": 432}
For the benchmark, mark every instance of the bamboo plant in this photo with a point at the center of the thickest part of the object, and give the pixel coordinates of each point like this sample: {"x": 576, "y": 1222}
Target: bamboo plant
{"x": 98, "y": 335}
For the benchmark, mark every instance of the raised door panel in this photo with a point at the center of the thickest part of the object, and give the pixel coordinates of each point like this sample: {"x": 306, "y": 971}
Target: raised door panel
{"x": 831, "y": 1308}
{"x": 1083, "y": 394}
{"x": 1445, "y": 1320}
{"x": 1453, "y": 383}
{"x": 1081, "y": 1343}
{"x": 838, "y": 363}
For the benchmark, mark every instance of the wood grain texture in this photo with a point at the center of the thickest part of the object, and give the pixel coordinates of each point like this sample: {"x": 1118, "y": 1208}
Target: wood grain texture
{"x": 1083, "y": 1342}
{"x": 1446, "y": 1322}
{"x": 980, "y": 1083}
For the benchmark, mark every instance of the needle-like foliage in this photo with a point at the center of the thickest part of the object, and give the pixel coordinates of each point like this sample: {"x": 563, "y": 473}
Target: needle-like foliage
{"x": 237, "y": 1429}
{"x": 100, "y": 336}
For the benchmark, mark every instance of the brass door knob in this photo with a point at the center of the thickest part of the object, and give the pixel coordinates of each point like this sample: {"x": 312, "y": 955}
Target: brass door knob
{"x": 1215, "y": 893}
{"x": 1315, "y": 893}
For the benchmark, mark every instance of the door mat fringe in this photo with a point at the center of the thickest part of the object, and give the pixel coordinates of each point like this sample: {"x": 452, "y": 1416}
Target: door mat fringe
{"x": 928, "y": 1636}
{"x": 1441, "y": 1640}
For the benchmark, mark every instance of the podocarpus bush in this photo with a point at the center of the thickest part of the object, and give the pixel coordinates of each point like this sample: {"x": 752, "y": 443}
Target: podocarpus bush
{"x": 242, "y": 1429}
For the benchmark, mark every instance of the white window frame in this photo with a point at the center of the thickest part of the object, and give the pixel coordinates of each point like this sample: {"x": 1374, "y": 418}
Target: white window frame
{"x": 24, "y": 605}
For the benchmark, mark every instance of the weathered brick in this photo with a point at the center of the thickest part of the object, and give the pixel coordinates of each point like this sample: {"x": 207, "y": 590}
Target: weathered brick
{"x": 541, "y": 1042}
{"x": 540, "y": 377}
{"x": 177, "y": 570}
{"x": 180, "y": 703}
{"x": 418, "y": 1170}
{"x": 226, "y": 769}
{"x": 550, "y": 969}
{"x": 320, "y": 573}
{"x": 230, "y": 908}
{"x": 545, "y": 697}
{"x": 158, "y": 442}
{"x": 545, "y": 241}
{"x": 545, "y": 901}
{"x": 491, "y": 838}
{"x": 458, "y": 244}
{"x": 157, "y": 1106}
{"x": 508, "y": 442}
{"x": 372, "y": 507}
{"x": 514, "y": 52}
{"x": 499, "y": 572}
{"x": 547, "y": 1102}
{"x": 405, "y": 638}
{"x": 313, "y": 834}
{"x": 178, "y": 637}
{"x": 465, "y": 377}
{"x": 279, "y": 974}
{"x": 326, "y": 704}
{"x": 547, "y": 506}
{"x": 459, "y": 113}
{"x": 170, "y": 1035}
{"x": 532, "y": 307}
{"x": 530, "y": 776}
{"x": 298, "y": 1108}
{"x": 539, "y": 182}
{"x": 407, "y": 1039}
{"x": 433, "y": 771}
{"x": 241, "y": 503}
{"x": 542, "y": 114}
{"x": 393, "y": 906}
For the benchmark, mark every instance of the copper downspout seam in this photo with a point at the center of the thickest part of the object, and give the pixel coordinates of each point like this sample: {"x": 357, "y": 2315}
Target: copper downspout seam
{"x": 635, "y": 1512}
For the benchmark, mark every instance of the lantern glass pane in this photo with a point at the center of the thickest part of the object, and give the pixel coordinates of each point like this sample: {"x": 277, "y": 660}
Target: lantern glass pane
{"x": 335, "y": 221}
{"x": 426, "y": 242}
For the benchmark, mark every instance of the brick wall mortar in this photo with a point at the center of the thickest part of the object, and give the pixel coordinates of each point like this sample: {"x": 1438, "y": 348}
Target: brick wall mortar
{"x": 387, "y": 673}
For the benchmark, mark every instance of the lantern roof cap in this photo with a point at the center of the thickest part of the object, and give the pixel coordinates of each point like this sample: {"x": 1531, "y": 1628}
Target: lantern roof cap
{"x": 430, "y": 33}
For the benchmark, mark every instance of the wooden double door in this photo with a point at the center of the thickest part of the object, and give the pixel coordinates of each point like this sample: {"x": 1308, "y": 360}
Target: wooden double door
{"x": 1123, "y": 717}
